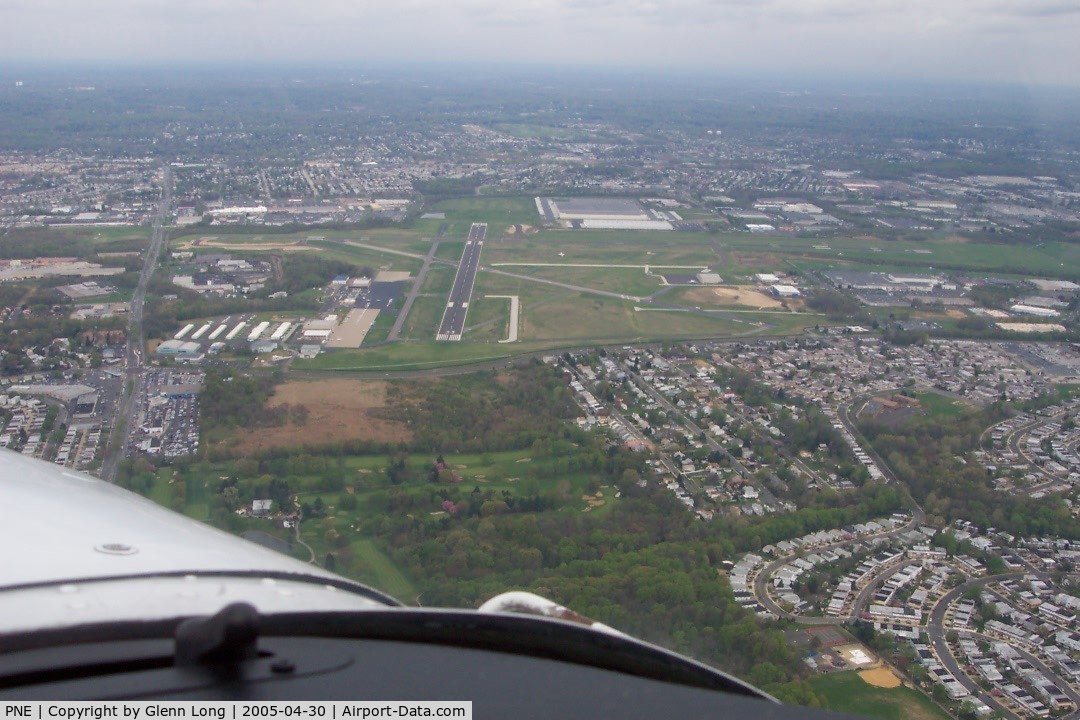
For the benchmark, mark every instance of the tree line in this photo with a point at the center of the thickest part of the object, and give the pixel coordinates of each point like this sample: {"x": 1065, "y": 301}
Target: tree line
{"x": 933, "y": 457}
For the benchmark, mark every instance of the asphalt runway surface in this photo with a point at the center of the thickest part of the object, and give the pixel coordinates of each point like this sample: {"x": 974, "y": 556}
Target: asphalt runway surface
{"x": 457, "y": 307}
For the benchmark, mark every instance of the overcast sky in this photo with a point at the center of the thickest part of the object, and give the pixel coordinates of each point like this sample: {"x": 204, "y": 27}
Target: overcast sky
{"x": 1031, "y": 41}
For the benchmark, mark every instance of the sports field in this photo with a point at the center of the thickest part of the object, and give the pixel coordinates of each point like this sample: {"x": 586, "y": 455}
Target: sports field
{"x": 847, "y": 692}
{"x": 827, "y": 635}
{"x": 940, "y": 406}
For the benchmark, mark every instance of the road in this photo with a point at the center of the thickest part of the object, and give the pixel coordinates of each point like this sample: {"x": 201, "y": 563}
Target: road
{"x": 918, "y": 517}
{"x": 633, "y": 429}
{"x": 779, "y": 447}
{"x": 843, "y": 414}
{"x": 765, "y": 494}
{"x": 936, "y": 630}
{"x": 881, "y": 576}
{"x": 515, "y": 311}
{"x": 453, "y": 320}
{"x": 388, "y": 251}
{"x": 127, "y": 408}
{"x": 1016, "y": 442}
{"x": 730, "y": 315}
{"x": 761, "y": 580}
{"x": 399, "y": 323}
{"x": 566, "y": 286}
{"x": 1045, "y": 670}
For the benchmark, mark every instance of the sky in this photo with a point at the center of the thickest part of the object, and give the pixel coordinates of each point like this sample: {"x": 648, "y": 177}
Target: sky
{"x": 1026, "y": 41}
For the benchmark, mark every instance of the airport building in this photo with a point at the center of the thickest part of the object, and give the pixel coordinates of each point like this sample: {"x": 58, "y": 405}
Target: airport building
{"x": 1033, "y": 310}
{"x": 785, "y": 291}
{"x": 179, "y": 348}
{"x": 603, "y": 214}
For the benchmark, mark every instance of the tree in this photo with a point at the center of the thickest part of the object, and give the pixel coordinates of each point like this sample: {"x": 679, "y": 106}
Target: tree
{"x": 279, "y": 492}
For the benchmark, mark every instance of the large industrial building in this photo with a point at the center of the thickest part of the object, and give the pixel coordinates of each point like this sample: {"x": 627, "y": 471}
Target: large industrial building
{"x": 604, "y": 214}
{"x": 178, "y": 347}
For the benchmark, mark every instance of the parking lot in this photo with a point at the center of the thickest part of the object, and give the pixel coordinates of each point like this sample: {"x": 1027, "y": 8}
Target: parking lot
{"x": 169, "y": 414}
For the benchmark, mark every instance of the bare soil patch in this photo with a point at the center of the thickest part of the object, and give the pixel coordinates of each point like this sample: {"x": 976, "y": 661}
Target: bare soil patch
{"x": 732, "y": 295}
{"x": 338, "y": 409}
{"x": 881, "y": 677}
{"x": 392, "y": 276}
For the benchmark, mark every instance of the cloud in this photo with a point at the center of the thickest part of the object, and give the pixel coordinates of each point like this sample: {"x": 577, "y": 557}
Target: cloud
{"x": 912, "y": 37}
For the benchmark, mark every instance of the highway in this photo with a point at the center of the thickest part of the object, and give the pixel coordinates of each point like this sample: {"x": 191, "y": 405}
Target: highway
{"x": 127, "y": 408}
{"x": 453, "y": 320}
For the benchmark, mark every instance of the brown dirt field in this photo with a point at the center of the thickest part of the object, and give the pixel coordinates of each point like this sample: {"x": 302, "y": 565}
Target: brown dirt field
{"x": 731, "y": 295}
{"x": 881, "y": 677}
{"x": 339, "y": 409}
{"x": 521, "y": 230}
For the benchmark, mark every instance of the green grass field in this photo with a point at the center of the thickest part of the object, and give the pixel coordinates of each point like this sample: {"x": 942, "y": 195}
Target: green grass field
{"x": 1051, "y": 259}
{"x": 412, "y": 356}
{"x": 439, "y": 280}
{"x": 451, "y": 250}
{"x": 497, "y": 212}
{"x": 374, "y": 568}
{"x": 544, "y": 132}
{"x": 846, "y": 692}
{"x": 380, "y": 329}
{"x": 122, "y": 295}
{"x": 555, "y": 321}
{"x": 111, "y": 234}
{"x": 622, "y": 247}
{"x": 487, "y": 320}
{"x": 424, "y": 317}
{"x": 941, "y": 407}
{"x": 373, "y": 258}
{"x": 588, "y": 318}
{"x": 629, "y": 281}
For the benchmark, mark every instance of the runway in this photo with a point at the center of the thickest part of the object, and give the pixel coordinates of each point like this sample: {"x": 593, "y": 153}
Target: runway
{"x": 457, "y": 307}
